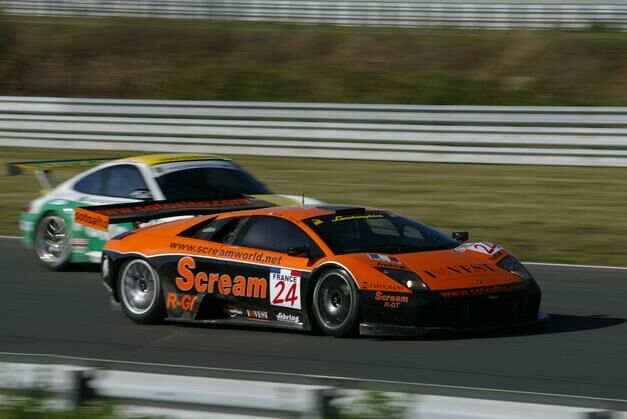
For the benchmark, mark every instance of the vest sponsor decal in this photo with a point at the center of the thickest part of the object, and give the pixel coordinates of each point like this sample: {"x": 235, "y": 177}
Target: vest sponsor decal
{"x": 390, "y": 300}
{"x": 454, "y": 270}
{"x": 285, "y": 288}
{"x": 257, "y": 315}
{"x": 288, "y": 318}
{"x": 183, "y": 302}
{"x": 239, "y": 286}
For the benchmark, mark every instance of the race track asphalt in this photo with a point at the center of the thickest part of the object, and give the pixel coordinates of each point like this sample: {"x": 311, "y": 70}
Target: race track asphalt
{"x": 582, "y": 351}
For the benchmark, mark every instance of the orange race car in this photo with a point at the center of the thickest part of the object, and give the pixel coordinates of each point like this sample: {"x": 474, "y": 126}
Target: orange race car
{"x": 341, "y": 269}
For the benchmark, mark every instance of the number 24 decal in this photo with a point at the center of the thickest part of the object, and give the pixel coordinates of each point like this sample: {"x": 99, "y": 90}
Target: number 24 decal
{"x": 291, "y": 296}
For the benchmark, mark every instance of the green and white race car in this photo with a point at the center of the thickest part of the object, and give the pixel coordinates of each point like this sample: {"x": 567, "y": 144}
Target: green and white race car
{"x": 48, "y": 227}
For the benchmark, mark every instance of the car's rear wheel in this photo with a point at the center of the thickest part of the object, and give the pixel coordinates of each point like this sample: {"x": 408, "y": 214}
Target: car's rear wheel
{"x": 52, "y": 242}
{"x": 139, "y": 291}
{"x": 336, "y": 303}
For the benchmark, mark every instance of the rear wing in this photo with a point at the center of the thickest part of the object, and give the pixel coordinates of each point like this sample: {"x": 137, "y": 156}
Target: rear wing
{"x": 101, "y": 216}
{"x": 43, "y": 169}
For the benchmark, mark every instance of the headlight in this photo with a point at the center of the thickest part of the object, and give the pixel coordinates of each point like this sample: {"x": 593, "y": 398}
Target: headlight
{"x": 511, "y": 264}
{"x": 405, "y": 278}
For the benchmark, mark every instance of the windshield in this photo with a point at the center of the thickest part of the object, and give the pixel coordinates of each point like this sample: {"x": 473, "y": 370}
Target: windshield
{"x": 200, "y": 180}
{"x": 377, "y": 232}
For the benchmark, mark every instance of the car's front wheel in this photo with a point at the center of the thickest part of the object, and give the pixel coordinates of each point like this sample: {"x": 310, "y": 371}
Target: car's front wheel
{"x": 52, "y": 242}
{"x": 139, "y": 292}
{"x": 336, "y": 303}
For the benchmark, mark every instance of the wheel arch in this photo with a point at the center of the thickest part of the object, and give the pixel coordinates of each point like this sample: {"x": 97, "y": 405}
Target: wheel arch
{"x": 117, "y": 262}
{"x": 315, "y": 275}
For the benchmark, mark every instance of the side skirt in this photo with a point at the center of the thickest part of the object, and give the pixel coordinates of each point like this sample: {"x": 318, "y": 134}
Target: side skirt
{"x": 242, "y": 322}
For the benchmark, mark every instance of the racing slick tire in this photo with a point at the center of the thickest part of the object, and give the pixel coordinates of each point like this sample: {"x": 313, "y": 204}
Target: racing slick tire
{"x": 139, "y": 292}
{"x": 336, "y": 303}
{"x": 52, "y": 242}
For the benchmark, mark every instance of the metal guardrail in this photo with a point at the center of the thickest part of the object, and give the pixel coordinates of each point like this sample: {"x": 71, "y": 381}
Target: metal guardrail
{"x": 569, "y": 14}
{"x": 571, "y": 136}
{"x": 196, "y": 396}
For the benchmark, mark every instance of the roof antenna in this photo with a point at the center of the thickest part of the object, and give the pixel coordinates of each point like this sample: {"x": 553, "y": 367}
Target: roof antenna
{"x": 303, "y": 198}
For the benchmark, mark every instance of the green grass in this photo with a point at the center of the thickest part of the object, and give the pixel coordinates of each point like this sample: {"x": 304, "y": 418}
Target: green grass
{"x": 548, "y": 214}
{"x": 168, "y": 59}
{"x": 38, "y": 404}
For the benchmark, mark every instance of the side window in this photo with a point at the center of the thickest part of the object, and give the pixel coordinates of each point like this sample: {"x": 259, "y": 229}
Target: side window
{"x": 276, "y": 234}
{"x": 122, "y": 180}
{"x": 217, "y": 230}
{"x": 91, "y": 184}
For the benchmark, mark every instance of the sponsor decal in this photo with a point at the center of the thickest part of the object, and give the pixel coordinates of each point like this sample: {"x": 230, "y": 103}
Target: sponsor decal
{"x": 384, "y": 258}
{"x": 317, "y": 221}
{"x": 224, "y": 284}
{"x": 390, "y": 300}
{"x": 233, "y": 311}
{"x": 391, "y": 266}
{"x": 91, "y": 219}
{"x": 184, "y": 302}
{"x": 384, "y": 287}
{"x": 157, "y": 206}
{"x": 79, "y": 242}
{"x": 285, "y": 288}
{"x": 475, "y": 292}
{"x": 289, "y": 318}
{"x": 453, "y": 270}
{"x": 486, "y": 248}
{"x": 27, "y": 225}
{"x": 227, "y": 253}
{"x": 257, "y": 315}
{"x": 355, "y": 217}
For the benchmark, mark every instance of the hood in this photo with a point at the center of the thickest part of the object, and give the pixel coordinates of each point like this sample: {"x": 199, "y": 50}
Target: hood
{"x": 470, "y": 265}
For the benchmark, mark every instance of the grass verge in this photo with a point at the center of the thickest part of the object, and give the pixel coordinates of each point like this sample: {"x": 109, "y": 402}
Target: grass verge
{"x": 545, "y": 214}
{"x": 169, "y": 59}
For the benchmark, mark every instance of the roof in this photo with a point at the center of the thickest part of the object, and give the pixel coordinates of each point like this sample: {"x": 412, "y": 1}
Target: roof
{"x": 154, "y": 159}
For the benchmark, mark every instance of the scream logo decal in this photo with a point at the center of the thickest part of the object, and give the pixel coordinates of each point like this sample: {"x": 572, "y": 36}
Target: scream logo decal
{"x": 184, "y": 302}
{"x": 391, "y": 301}
{"x": 285, "y": 288}
{"x": 240, "y": 286}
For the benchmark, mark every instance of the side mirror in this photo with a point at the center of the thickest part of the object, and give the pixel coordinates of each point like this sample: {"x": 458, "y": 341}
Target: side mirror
{"x": 461, "y": 236}
{"x": 143, "y": 194}
{"x": 299, "y": 251}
